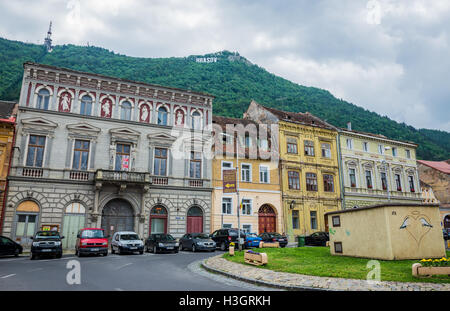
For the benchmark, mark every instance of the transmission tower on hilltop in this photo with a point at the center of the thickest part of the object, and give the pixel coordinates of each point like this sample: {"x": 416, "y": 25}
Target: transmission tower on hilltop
{"x": 48, "y": 39}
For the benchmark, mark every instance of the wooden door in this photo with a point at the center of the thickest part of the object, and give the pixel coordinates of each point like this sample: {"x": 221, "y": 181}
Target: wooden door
{"x": 72, "y": 224}
{"x": 267, "y": 219}
{"x": 194, "y": 224}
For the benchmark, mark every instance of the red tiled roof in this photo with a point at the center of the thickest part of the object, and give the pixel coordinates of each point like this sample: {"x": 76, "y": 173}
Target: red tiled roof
{"x": 442, "y": 166}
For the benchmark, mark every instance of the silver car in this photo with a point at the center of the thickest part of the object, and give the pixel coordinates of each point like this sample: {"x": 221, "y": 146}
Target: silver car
{"x": 126, "y": 242}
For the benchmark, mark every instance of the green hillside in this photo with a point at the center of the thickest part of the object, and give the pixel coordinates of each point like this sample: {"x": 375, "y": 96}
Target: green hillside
{"x": 233, "y": 80}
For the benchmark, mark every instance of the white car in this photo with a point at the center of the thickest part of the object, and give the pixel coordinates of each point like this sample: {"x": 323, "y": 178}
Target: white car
{"x": 126, "y": 242}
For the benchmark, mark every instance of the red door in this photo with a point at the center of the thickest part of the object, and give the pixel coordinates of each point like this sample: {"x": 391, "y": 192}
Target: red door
{"x": 267, "y": 219}
{"x": 194, "y": 224}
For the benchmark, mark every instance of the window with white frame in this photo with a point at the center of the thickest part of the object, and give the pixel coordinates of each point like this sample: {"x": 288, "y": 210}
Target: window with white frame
{"x": 394, "y": 151}
{"x": 326, "y": 150}
{"x": 408, "y": 153}
{"x": 227, "y": 139}
{"x": 162, "y": 116}
{"x": 227, "y": 226}
{"x": 309, "y": 148}
{"x": 226, "y": 205}
{"x": 380, "y": 149}
{"x": 352, "y": 175}
{"x": 365, "y": 146}
{"x": 122, "y": 157}
{"x": 195, "y": 165}
{"x": 411, "y": 183}
{"x": 160, "y": 162}
{"x": 247, "y": 228}
{"x": 125, "y": 113}
{"x": 81, "y": 155}
{"x": 263, "y": 174}
{"x": 369, "y": 179}
{"x": 349, "y": 143}
{"x": 43, "y": 99}
{"x": 246, "y": 172}
{"x": 86, "y": 105}
{"x": 291, "y": 145}
{"x": 196, "y": 120}
{"x": 35, "y": 153}
{"x": 247, "y": 140}
{"x": 398, "y": 182}
{"x": 246, "y": 207}
{"x": 226, "y": 166}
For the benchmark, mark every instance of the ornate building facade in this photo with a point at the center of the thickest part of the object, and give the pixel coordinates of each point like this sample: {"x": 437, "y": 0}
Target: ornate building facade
{"x": 308, "y": 168}
{"x": 376, "y": 169}
{"x": 98, "y": 151}
{"x": 259, "y": 203}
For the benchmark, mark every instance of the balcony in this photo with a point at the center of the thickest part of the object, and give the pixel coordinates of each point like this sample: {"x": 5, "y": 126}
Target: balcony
{"x": 382, "y": 193}
{"x": 121, "y": 177}
{"x": 32, "y": 172}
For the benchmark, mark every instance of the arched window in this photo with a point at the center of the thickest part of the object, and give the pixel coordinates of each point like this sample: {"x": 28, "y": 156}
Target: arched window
{"x": 86, "y": 105}
{"x": 196, "y": 120}
{"x": 162, "y": 116}
{"x": 195, "y": 211}
{"x": 126, "y": 111}
{"x": 43, "y": 99}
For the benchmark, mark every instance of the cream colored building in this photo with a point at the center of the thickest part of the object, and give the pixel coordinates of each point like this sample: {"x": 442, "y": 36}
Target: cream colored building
{"x": 259, "y": 184}
{"x": 393, "y": 231}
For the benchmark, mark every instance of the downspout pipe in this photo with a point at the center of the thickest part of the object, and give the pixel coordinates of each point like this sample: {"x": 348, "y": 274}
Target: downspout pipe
{"x": 340, "y": 167}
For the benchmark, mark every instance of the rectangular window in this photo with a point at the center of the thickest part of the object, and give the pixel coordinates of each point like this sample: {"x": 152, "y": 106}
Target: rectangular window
{"x": 35, "y": 155}
{"x": 227, "y": 139}
{"x": 246, "y": 171}
{"x": 365, "y": 146}
{"x": 336, "y": 221}
{"x": 328, "y": 183}
{"x": 247, "y": 140}
{"x": 226, "y": 205}
{"x": 380, "y": 149}
{"x": 227, "y": 226}
{"x": 247, "y": 228}
{"x": 160, "y": 162}
{"x": 295, "y": 220}
{"x": 195, "y": 165}
{"x": 349, "y": 143}
{"x": 369, "y": 179}
{"x": 398, "y": 182}
{"x": 338, "y": 247}
{"x": 246, "y": 207}
{"x": 383, "y": 180}
{"x": 294, "y": 180}
{"x": 309, "y": 148}
{"x": 313, "y": 216}
{"x": 311, "y": 182}
{"x": 408, "y": 154}
{"x": 411, "y": 183}
{"x": 122, "y": 157}
{"x": 264, "y": 174}
{"x": 292, "y": 145}
{"x": 352, "y": 175}
{"x": 326, "y": 150}
{"x": 81, "y": 155}
{"x": 394, "y": 151}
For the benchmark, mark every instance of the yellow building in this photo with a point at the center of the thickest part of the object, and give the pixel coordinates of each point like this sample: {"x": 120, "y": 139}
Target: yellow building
{"x": 259, "y": 186}
{"x": 8, "y": 112}
{"x": 309, "y": 167}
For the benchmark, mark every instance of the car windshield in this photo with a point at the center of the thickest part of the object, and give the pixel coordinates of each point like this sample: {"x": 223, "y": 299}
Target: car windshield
{"x": 167, "y": 237}
{"x": 92, "y": 234}
{"x": 129, "y": 237}
{"x": 200, "y": 236}
{"x": 235, "y": 232}
{"x": 252, "y": 235}
{"x": 47, "y": 235}
{"x": 275, "y": 235}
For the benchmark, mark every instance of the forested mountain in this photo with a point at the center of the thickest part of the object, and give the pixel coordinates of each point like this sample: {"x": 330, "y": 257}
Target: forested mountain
{"x": 232, "y": 79}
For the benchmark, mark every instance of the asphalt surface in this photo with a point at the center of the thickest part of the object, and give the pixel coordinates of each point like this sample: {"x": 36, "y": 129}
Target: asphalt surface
{"x": 149, "y": 272}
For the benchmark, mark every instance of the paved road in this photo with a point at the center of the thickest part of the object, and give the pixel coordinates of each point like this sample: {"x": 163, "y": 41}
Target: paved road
{"x": 173, "y": 272}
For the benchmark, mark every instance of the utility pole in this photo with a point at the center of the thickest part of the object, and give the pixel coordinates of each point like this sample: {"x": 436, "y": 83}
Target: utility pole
{"x": 237, "y": 192}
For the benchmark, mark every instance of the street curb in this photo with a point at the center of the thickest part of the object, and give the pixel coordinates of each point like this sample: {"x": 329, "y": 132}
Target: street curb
{"x": 258, "y": 282}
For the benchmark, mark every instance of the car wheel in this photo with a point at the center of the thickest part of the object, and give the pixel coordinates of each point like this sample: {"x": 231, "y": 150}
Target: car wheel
{"x": 146, "y": 249}
{"x": 16, "y": 254}
{"x": 59, "y": 255}
{"x": 155, "y": 251}
{"x": 105, "y": 254}
{"x": 141, "y": 252}
{"x": 32, "y": 256}
{"x": 119, "y": 252}
{"x": 194, "y": 249}
{"x": 223, "y": 246}
{"x": 180, "y": 248}
{"x": 112, "y": 250}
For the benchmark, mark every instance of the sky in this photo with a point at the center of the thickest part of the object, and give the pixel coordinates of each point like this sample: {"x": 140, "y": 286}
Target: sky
{"x": 388, "y": 56}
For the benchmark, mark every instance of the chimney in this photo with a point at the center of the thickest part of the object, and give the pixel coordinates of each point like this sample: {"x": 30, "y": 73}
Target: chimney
{"x": 349, "y": 126}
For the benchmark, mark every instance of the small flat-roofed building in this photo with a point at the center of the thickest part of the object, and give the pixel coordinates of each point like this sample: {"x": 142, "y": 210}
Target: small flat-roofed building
{"x": 393, "y": 231}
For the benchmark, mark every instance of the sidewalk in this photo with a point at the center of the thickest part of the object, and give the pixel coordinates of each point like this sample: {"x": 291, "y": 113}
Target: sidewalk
{"x": 292, "y": 281}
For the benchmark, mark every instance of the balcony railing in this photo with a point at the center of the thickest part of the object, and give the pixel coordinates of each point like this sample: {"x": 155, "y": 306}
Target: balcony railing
{"x": 79, "y": 175}
{"x": 121, "y": 176}
{"x": 32, "y": 172}
{"x": 195, "y": 183}
{"x": 159, "y": 180}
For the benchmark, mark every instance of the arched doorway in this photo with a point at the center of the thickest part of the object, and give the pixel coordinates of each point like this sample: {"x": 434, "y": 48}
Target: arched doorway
{"x": 117, "y": 215}
{"x": 74, "y": 219}
{"x": 27, "y": 218}
{"x": 267, "y": 219}
{"x": 447, "y": 222}
{"x": 194, "y": 221}
{"x": 158, "y": 219}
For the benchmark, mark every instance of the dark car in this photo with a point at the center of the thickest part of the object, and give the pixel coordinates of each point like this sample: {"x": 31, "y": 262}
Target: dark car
{"x": 223, "y": 237}
{"x": 317, "y": 239}
{"x": 46, "y": 243}
{"x": 274, "y": 237}
{"x": 9, "y": 247}
{"x": 197, "y": 242}
{"x": 161, "y": 242}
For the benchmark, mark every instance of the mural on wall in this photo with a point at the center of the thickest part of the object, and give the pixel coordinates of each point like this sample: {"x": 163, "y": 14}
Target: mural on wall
{"x": 417, "y": 225}
{"x": 65, "y": 102}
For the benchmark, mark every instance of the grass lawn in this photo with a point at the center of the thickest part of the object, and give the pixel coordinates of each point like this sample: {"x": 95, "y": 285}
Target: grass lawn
{"x": 318, "y": 261}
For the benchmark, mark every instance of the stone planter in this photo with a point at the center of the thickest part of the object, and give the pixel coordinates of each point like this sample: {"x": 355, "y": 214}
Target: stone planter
{"x": 269, "y": 244}
{"x": 418, "y": 270}
{"x": 257, "y": 259}
{"x": 231, "y": 250}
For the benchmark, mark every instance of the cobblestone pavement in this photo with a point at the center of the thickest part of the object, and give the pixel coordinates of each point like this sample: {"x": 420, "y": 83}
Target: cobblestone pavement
{"x": 299, "y": 281}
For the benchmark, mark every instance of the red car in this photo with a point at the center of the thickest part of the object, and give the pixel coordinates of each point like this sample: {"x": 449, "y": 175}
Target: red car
{"x": 91, "y": 241}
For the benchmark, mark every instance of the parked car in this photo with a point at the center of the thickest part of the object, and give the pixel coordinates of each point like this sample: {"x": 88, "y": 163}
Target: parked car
{"x": 9, "y": 247}
{"x": 197, "y": 242}
{"x": 223, "y": 237}
{"x": 274, "y": 237}
{"x": 46, "y": 243}
{"x": 126, "y": 242}
{"x": 317, "y": 239}
{"x": 252, "y": 240}
{"x": 161, "y": 242}
{"x": 446, "y": 234}
{"x": 91, "y": 241}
